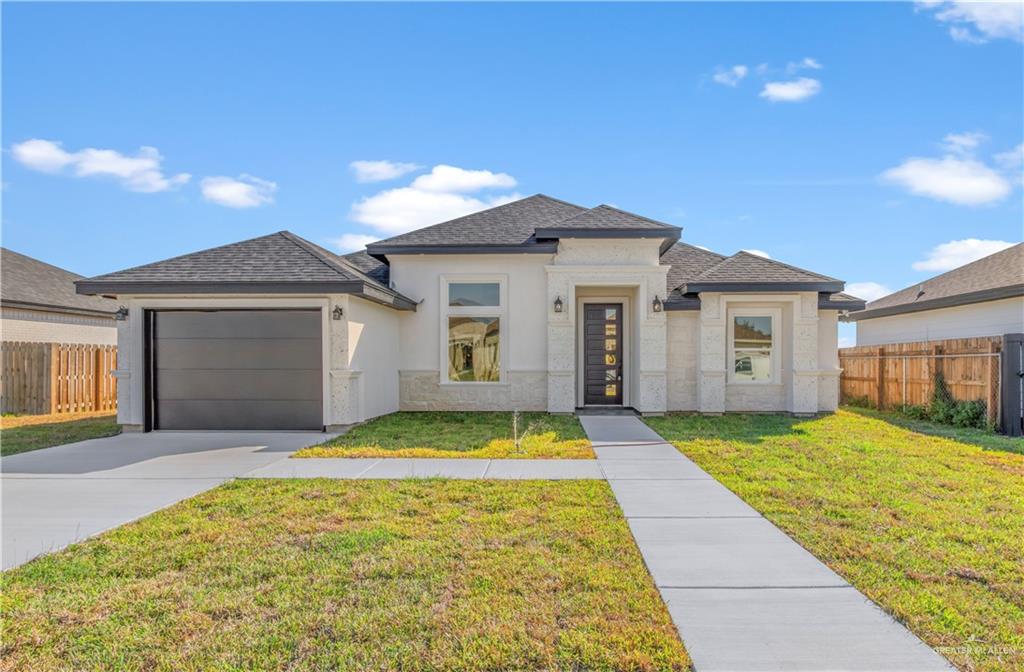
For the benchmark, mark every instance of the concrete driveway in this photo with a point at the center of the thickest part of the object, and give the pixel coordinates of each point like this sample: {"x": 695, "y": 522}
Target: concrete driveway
{"x": 57, "y": 496}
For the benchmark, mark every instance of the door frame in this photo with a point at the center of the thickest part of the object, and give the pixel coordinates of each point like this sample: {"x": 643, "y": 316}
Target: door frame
{"x": 141, "y": 392}
{"x": 627, "y": 351}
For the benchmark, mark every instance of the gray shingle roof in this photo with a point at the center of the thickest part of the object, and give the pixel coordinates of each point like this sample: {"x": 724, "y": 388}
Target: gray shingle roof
{"x": 744, "y": 267}
{"x": 606, "y": 217}
{"x": 375, "y": 268}
{"x": 999, "y": 275}
{"x": 29, "y": 282}
{"x": 685, "y": 263}
{"x": 509, "y": 224}
{"x": 273, "y": 258}
{"x": 278, "y": 262}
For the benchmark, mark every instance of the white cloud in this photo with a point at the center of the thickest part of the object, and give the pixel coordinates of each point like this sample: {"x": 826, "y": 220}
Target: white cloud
{"x": 963, "y": 143}
{"x": 963, "y": 181}
{"x": 979, "y": 22}
{"x": 847, "y": 342}
{"x": 450, "y": 179}
{"x": 759, "y": 253}
{"x": 792, "y": 91}
{"x": 1012, "y": 159}
{"x": 956, "y": 253}
{"x": 142, "y": 172}
{"x": 379, "y": 171}
{"x": 869, "y": 291}
{"x": 730, "y": 76}
{"x": 353, "y": 242}
{"x": 245, "y": 191}
{"x": 806, "y": 63}
{"x": 440, "y": 195}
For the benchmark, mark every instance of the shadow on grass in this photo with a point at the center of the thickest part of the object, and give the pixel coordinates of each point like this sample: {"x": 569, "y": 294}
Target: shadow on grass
{"x": 974, "y": 437}
{"x": 744, "y": 428}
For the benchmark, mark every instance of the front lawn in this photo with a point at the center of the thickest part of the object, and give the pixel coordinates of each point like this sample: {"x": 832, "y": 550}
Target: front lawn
{"x": 459, "y": 434}
{"x": 345, "y": 575}
{"x": 979, "y": 437}
{"x": 930, "y": 528}
{"x": 22, "y": 433}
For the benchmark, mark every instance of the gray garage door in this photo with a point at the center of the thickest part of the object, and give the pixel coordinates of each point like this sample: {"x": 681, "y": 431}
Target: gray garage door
{"x": 236, "y": 369}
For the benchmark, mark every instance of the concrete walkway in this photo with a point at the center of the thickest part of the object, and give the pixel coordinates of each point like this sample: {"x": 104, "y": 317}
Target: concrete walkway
{"x": 397, "y": 467}
{"x": 58, "y": 496}
{"x": 743, "y": 595}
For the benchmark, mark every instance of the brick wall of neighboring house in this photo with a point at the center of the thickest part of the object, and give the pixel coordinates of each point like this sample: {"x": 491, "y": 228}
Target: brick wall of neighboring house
{"x": 38, "y": 326}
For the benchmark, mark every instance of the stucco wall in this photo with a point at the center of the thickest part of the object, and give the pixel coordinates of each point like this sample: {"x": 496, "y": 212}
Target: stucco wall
{"x": 523, "y": 343}
{"x": 683, "y": 332}
{"x": 373, "y": 349}
{"x": 991, "y": 318}
{"x": 38, "y": 326}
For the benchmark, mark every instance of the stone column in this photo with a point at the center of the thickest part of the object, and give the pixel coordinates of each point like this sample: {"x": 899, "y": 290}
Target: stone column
{"x": 711, "y": 360}
{"x": 805, "y": 355}
{"x": 561, "y": 345}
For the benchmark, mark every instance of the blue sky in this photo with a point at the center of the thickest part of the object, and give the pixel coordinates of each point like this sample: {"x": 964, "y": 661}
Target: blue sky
{"x": 853, "y": 139}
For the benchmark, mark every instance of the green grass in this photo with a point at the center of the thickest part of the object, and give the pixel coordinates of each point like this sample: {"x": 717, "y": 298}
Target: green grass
{"x": 978, "y": 437}
{"x": 459, "y": 434}
{"x": 26, "y": 437}
{"x": 930, "y": 528}
{"x": 345, "y": 575}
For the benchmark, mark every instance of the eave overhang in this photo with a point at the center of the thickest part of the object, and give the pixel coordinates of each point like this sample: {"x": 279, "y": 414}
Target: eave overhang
{"x": 944, "y": 302}
{"x": 25, "y": 305}
{"x": 363, "y": 290}
{"x": 747, "y": 287}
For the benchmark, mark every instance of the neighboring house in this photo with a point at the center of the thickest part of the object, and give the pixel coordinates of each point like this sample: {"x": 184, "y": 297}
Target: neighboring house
{"x": 534, "y": 305}
{"x": 38, "y": 303}
{"x": 983, "y": 298}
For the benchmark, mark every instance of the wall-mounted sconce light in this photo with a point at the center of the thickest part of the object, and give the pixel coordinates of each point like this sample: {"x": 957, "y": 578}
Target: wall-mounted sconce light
{"x": 337, "y": 313}
{"x": 656, "y": 304}
{"x": 558, "y": 304}
{"x": 122, "y": 314}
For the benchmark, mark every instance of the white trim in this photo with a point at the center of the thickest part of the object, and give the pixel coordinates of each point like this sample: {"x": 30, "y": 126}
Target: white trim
{"x": 610, "y": 268}
{"x": 500, "y": 311}
{"x": 776, "y": 350}
{"x": 627, "y": 360}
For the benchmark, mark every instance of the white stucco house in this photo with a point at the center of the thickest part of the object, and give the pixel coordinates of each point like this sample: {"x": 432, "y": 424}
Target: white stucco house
{"x": 539, "y": 305}
{"x": 39, "y": 304}
{"x": 982, "y": 298}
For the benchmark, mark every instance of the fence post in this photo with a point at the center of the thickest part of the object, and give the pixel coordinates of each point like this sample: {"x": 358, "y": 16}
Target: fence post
{"x": 880, "y": 378}
{"x": 54, "y": 383}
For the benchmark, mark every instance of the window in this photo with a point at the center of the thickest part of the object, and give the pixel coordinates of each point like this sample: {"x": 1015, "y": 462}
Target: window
{"x": 752, "y": 344}
{"x": 472, "y": 321}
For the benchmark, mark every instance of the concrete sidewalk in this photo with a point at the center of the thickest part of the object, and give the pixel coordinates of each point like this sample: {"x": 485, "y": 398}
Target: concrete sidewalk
{"x": 397, "y": 467}
{"x": 743, "y": 595}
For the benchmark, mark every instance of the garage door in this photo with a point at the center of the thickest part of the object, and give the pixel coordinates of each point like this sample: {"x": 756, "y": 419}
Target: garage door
{"x": 236, "y": 369}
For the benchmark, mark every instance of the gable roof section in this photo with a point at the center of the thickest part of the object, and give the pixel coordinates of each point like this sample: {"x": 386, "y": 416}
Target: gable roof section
{"x": 280, "y": 263}
{"x": 997, "y": 276}
{"x": 748, "y": 272}
{"x": 29, "y": 283}
{"x": 532, "y": 224}
{"x": 505, "y": 227}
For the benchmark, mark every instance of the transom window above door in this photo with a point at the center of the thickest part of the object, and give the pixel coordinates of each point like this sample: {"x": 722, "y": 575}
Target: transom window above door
{"x": 473, "y": 318}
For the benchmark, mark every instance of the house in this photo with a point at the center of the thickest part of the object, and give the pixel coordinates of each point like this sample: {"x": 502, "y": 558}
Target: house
{"x": 983, "y": 298}
{"x": 538, "y": 304}
{"x": 38, "y": 303}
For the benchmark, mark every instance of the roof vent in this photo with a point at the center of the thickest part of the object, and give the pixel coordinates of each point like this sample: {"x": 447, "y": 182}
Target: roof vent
{"x": 920, "y": 292}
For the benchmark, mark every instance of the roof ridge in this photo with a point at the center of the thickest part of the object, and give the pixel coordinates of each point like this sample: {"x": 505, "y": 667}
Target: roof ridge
{"x": 987, "y": 257}
{"x": 326, "y": 257}
{"x": 44, "y": 263}
{"x": 782, "y": 263}
{"x": 701, "y": 249}
{"x": 188, "y": 254}
{"x": 633, "y": 214}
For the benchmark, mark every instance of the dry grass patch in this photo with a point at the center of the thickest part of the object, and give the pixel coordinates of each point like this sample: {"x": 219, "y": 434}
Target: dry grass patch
{"x": 459, "y": 434}
{"x": 346, "y": 575}
{"x": 928, "y": 527}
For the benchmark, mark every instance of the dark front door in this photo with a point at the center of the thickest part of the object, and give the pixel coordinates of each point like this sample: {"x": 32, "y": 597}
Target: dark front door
{"x": 602, "y": 354}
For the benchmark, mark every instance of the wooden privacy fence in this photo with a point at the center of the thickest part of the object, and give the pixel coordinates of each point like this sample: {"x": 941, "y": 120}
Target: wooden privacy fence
{"x": 42, "y": 378}
{"x": 904, "y": 374}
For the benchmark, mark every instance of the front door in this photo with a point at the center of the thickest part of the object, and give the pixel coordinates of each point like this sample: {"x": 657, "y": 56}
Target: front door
{"x": 602, "y": 354}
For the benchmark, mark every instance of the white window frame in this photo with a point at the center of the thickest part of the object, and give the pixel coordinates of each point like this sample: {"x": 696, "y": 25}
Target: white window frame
{"x": 776, "y": 357}
{"x": 500, "y": 311}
